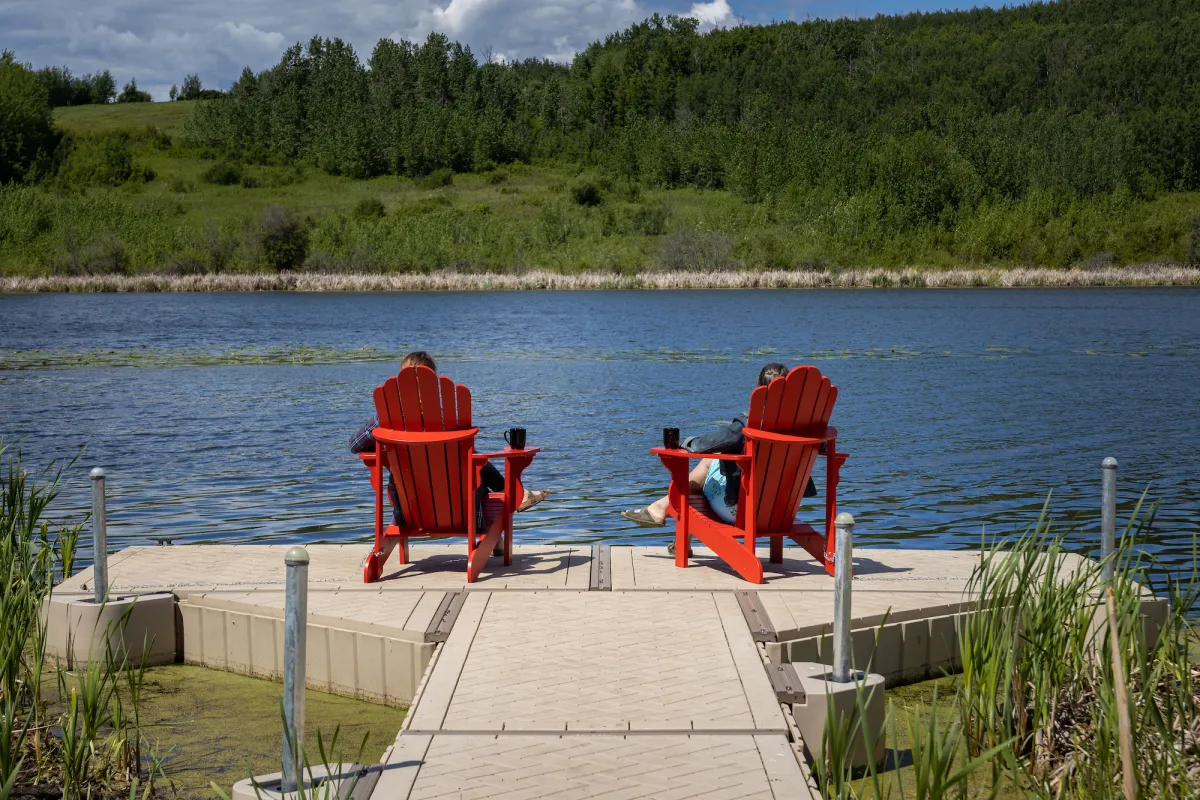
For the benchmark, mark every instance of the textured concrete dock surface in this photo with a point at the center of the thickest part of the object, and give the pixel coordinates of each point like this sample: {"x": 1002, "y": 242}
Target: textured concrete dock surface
{"x": 579, "y": 671}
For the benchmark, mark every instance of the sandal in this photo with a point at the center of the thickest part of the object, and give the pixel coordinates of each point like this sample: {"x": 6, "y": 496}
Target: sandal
{"x": 534, "y": 499}
{"x": 641, "y": 516}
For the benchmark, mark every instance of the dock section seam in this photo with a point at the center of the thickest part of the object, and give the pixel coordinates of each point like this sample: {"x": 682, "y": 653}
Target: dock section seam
{"x": 760, "y": 697}
{"x": 435, "y": 700}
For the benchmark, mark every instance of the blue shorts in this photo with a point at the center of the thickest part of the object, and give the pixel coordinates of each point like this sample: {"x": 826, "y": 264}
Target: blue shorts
{"x": 714, "y": 493}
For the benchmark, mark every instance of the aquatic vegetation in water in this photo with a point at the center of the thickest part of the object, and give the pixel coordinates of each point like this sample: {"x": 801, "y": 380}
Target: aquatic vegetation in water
{"x": 146, "y": 357}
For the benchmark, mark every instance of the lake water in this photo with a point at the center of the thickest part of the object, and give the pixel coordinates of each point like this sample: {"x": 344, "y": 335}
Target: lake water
{"x": 226, "y": 417}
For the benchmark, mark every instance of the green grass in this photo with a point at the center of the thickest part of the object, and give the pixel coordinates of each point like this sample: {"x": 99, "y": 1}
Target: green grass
{"x": 218, "y": 727}
{"x": 528, "y": 217}
{"x": 167, "y": 117}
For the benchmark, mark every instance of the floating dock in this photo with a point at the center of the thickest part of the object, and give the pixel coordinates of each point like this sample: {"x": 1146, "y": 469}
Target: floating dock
{"x": 579, "y": 671}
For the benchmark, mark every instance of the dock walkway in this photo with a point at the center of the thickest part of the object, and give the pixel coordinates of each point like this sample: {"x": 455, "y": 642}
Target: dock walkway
{"x": 578, "y": 672}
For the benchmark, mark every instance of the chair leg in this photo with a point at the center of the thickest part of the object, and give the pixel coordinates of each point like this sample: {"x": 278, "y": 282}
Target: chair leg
{"x": 682, "y": 543}
{"x": 478, "y": 558}
{"x": 776, "y": 549}
{"x": 508, "y": 542}
{"x": 403, "y": 547}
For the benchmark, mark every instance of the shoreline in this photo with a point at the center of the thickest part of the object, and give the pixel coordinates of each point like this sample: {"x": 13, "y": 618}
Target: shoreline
{"x": 1149, "y": 275}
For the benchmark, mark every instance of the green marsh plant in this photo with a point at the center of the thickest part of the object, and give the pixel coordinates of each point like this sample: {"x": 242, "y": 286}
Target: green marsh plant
{"x": 1072, "y": 686}
{"x": 1040, "y": 684}
{"x": 78, "y": 732}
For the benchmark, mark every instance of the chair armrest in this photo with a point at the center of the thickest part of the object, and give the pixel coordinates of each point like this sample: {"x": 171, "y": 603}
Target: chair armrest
{"x": 507, "y": 454}
{"x": 390, "y": 436}
{"x": 368, "y": 458}
{"x": 770, "y": 436}
{"x": 515, "y": 463}
{"x": 663, "y": 452}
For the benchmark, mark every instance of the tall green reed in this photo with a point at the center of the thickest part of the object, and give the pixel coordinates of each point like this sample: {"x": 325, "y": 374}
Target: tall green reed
{"x": 95, "y": 710}
{"x": 1037, "y": 703}
{"x": 1039, "y": 680}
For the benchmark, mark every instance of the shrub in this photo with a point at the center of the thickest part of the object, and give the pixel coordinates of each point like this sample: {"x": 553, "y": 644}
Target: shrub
{"x": 690, "y": 250}
{"x": 159, "y": 140}
{"x": 586, "y": 194}
{"x": 496, "y": 178}
{"x": 1103, "y": 260}
{"x": 436, "y": 179}
{"x": 361, "y": 258}
{"x": 183, "y": 265}
{"x": 283, "y": 237}
{"x": 218, "y": 248}
{"x": 284, "y": 176}
{"x": 131, "y": 93}
{"x": 1193, "y": 242}
{"x": 180, "y": 186}
{"x": 103, "y": 256}
{"x": 251, "y": 181}
{"x": 102, "y": 160}
{"x": 223, "y": 173}
{"x": 369, "y": 208}
{"x": 652, "y": 220}
{"x": 554, "y": 224}
{"x": 628, "y": 190}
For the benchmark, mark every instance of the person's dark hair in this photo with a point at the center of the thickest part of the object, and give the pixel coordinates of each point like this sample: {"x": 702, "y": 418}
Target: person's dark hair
{"x": 770, "y": 372}
{"x": 419, "y": 358}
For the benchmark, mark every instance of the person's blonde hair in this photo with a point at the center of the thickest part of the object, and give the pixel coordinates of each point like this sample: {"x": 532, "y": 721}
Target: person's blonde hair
{"x": 419, "y": 358}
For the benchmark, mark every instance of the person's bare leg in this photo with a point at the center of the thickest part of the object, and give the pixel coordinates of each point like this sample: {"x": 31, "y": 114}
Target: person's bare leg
{"x": 658, "y": 509}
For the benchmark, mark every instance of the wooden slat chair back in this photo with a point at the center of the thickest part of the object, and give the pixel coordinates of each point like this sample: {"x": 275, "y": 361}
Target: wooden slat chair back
{"x": 426, "y": 440}
{"x": 798, "y": 405}
{"x": 787, "y": 426}
{"x": 429, "y": 477}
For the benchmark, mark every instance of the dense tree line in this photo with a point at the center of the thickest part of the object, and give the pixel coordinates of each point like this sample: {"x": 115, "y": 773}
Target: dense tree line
{"x": 27, "y": 134}
{"x": 64, "y": 89}
{"x": 928, "y": 114}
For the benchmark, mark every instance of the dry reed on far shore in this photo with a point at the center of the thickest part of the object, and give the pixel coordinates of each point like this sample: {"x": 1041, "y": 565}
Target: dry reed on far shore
{"x": 450, "y": 280}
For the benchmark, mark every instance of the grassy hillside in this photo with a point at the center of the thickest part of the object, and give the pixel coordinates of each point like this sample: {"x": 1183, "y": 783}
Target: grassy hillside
{"x": 166, "y": 117}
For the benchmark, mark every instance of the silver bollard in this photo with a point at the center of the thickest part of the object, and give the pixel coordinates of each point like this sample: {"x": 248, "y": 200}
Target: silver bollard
{"x": 295, "y": 637}
{"x": 1108, "y": 514}
{"x": 844, "y": 524}
{"x": 99, "y": 537}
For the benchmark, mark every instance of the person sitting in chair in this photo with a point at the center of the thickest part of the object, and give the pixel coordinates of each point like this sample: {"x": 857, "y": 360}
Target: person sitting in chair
{"x": 719, "y": 481}
{"x": 491, "y": 479}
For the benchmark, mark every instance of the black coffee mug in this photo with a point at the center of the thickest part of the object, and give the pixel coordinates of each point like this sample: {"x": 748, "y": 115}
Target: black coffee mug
{"x": 515, "y": 438}
{"x": 671, "y": 438}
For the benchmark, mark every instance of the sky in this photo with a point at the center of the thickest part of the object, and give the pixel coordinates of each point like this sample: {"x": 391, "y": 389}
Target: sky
{"x": 159, "y": 41}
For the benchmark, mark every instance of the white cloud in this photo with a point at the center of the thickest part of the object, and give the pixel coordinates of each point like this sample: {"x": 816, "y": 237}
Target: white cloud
{"x": 555, "y": 29}
{"x": 243, "y": 33}
{"x": 710, "y": 15}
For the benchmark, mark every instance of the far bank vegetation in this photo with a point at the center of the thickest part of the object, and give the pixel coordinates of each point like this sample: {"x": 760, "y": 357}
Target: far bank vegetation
{"x": 988, "y": 138}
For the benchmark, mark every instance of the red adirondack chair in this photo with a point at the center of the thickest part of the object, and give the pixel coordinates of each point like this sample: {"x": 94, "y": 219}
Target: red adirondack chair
{"x": 425, "y": 439}
{"x": 788, "y": 423}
